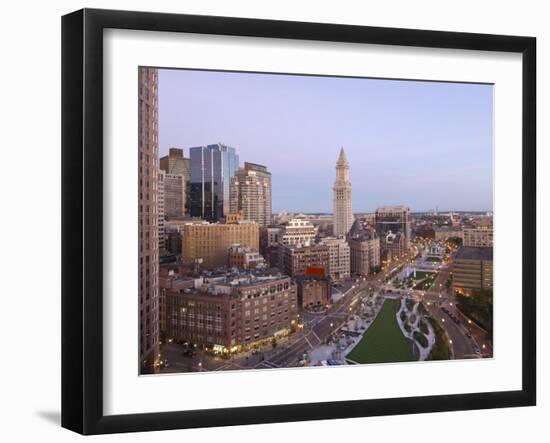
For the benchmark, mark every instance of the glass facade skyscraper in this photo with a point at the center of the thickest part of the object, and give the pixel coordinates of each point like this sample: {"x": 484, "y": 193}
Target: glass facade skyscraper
{"x": 211, "y": 168}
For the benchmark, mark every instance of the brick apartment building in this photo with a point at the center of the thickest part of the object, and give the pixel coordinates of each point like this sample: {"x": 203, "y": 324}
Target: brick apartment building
{"x": 232, "y": 312}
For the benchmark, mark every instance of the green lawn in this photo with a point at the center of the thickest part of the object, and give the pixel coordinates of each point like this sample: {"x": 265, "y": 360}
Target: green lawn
{"x": 383, "y": 341}
{"x": 429, "y": 278}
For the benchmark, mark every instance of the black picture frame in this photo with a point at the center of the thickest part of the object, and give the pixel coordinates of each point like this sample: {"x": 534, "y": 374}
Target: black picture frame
{"x": 82, "y": 218}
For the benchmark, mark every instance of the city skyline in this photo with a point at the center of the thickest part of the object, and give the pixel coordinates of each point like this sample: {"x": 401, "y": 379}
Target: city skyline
{"x": 410, "y": 166}
{"x": 223, "y": 286}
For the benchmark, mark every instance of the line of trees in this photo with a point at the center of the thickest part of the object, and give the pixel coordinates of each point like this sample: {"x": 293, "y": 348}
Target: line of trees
{"x": 478, "y": 307}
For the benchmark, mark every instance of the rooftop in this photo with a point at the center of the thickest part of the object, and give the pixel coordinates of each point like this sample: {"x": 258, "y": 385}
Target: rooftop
{"x": 359, "y": 232}
{"x": 447, "y": 228}
{"x": 398, "y": 208}
{"x": 224, "y": 281}
{"x": 472, "y": 253}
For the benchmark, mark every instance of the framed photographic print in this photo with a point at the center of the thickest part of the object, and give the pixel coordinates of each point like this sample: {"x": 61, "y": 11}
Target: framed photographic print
{"x": 268, "y": 221}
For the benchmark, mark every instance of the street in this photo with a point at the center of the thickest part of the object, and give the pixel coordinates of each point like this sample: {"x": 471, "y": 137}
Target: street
{"x": 465, "y": 337}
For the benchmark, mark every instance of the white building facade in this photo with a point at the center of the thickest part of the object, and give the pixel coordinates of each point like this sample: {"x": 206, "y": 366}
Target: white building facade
{"x": 339, "y": 257}
{"x": 298, "y": 231}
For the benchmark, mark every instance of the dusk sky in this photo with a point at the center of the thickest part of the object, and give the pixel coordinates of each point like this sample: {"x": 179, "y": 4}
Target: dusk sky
{"x": 419, "y": 144}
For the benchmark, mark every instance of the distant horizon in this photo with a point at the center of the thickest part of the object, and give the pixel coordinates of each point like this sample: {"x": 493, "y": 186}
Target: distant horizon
{"x": 413, "y": 211}
{"x": 412, "y": 143}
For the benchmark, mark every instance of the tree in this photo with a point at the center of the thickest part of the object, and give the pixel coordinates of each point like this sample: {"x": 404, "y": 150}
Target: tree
{"x": 479, "y": 307}
{"x": 457, "y": 241}
{"x": 273, "y": 342}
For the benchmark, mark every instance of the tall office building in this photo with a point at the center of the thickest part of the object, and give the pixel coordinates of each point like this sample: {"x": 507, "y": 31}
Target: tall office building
{"x": 211, "y": 169}
{"x": 250, "y": 193}
{"x": 175, "y": 164}
{"x": 393, "y": 226}
{"x": 148, "y": 220}
{"x": 343, "y": 215}
{"x": 174, "y": 195}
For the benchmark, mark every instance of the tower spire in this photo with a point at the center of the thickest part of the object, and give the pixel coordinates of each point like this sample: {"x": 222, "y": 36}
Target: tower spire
{"x": 342, "y": 157}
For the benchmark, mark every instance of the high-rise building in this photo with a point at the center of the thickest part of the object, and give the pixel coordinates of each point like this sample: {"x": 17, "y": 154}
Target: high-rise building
{"x": 343, "y": 215}
{"x": 148, "y": 220}
{"x": 210, "y": 242}
{"x": 393, "y": 226}
{"x": 211, "y": 169}
{"x": 174, "y": 195}
{"x": 250, "y": 193}
{"x": 339, "y": 257}
{"x": 175, "y": 163}
{"x": 160, "y": 211}
{"x": 478, "y": 237}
